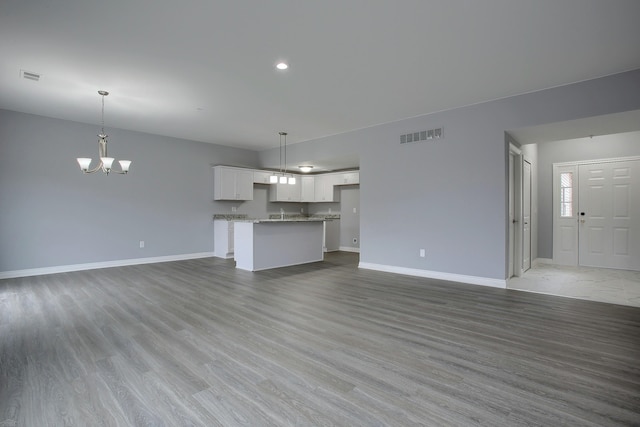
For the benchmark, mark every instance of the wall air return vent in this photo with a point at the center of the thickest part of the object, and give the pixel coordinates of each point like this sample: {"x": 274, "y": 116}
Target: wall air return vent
{"x": 423, "y": 135}
{"x": 29, "y": 75}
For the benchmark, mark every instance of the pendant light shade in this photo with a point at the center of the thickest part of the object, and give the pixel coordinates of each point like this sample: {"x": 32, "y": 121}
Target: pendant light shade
{"x": 281, "y": 176}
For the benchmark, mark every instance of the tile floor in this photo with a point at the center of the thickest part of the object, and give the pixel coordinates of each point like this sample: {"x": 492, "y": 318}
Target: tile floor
{"x": 595, "y": 284}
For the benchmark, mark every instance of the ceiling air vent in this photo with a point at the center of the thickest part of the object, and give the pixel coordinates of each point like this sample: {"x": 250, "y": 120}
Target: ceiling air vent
{"x": 30, "y": 75}
{"x": 423, "y": 135}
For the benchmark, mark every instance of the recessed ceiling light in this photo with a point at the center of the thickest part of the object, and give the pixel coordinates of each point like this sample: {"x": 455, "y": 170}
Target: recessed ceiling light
{"x": 282, "y": 65}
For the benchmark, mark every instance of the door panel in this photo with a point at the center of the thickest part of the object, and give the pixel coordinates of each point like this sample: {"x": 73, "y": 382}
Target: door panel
{"x": 609, "y": 230}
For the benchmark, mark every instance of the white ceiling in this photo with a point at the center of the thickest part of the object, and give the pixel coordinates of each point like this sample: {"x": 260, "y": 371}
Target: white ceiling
{"x": 204, "y": 69}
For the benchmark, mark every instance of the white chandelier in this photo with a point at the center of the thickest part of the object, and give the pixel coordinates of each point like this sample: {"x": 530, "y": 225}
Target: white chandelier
{"x": 105, "y": 161}
{"x": 281, "y": 177}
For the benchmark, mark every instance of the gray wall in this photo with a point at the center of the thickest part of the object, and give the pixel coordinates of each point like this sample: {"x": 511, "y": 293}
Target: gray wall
{"x": 260, "y": 206}
{"x": 598, "y": 147}
{"x": 52, "y": 215}
{"x": 449, "y": 196}
{"x": 349, "y": 221}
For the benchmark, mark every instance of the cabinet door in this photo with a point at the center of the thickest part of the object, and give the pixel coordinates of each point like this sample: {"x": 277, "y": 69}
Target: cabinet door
{"x": 223, "y": 238}
{"x": 261, "y": 177}
{"x": 230, "y": 242}
{"x": 225, "y": 185}
{"x": 232, "y": 183}
{"x": 349, "y": 178}
{"x": 324, "y": 188}
{"x": 307, "y": 190}
{"x": 285, "y": 192}
{"x": 244, "y": 185}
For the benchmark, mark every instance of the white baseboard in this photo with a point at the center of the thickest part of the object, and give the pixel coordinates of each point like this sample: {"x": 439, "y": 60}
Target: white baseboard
{"x": 349, "y": 249}
{"x": 473, "y": 280}
{"x": 542, "y": 261}
{"x": 94, "y": 265}
{"x": 223, "y": 256}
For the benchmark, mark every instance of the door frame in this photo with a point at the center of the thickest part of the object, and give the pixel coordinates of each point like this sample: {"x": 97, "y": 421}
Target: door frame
{"x": 554, "y": 204}
{"x": 527, "y": 193}
{"x": 514, "y": 239}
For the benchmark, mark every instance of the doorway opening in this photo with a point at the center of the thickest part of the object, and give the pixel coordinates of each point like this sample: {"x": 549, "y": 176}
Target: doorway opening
{"x": 596, "y": 213}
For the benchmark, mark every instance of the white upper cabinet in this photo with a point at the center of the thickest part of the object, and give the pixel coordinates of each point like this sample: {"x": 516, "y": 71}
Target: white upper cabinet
{"x": 348, "y": 178}
{"x": 307, "y": 191}
{"x": 324, "y": 191}
{"x": 261, "y": 177}
{"x": 232, "y": 183}
{"x": 285, "y": 192}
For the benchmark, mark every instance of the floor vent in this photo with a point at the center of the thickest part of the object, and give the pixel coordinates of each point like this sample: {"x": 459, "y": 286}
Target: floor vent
{"x": 30, "y": 75}
{"x": 423, "y": 135}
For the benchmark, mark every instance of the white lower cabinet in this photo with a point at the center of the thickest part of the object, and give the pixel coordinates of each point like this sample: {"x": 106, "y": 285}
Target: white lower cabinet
{"x": 331, "y": 240}
{"x": 223, "y": 238}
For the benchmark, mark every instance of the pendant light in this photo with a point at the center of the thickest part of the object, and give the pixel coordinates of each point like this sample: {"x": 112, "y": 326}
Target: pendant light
{"x": 104, "y": 161}
{"x": 281, "y": 177}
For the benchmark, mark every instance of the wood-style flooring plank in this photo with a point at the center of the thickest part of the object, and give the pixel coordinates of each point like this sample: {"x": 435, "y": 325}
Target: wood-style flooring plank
{"x": 199, "y": 343}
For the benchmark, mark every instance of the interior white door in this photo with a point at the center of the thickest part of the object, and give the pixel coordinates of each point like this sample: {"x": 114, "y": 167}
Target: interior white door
{"x": 565, "y": 214}
{"x": 526, "y": 215}
{"x": 609, "y": 229}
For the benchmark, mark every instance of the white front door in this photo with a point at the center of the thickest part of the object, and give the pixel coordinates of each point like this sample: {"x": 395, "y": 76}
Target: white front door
{"x": 609, "y": 215}
{"x": 526, "y": 215}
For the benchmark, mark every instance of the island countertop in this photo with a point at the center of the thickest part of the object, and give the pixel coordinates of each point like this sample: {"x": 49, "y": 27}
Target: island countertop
{"x": 269, "y": 220}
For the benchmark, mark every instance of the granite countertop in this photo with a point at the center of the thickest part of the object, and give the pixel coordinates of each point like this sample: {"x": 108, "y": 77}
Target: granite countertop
{"x": 326, "y": 216}
{"x": 276, "y": 217}
{"x": 230, "y": 217}
{"x": 274, "y": 220}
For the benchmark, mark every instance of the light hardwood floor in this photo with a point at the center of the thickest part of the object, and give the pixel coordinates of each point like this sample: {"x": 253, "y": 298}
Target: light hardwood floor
{"x": 200, "y": 343}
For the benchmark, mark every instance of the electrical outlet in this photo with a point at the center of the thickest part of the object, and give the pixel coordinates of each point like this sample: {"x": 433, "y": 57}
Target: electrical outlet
{"x": 233, "y": 208}
{"x": 355, "y": 210}
{"x": 422, "y": 253}
{"x": 141, "y": 244}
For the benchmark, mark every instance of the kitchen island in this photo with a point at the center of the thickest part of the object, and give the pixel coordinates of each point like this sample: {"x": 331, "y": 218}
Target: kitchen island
{"x": 261, "y": 244}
